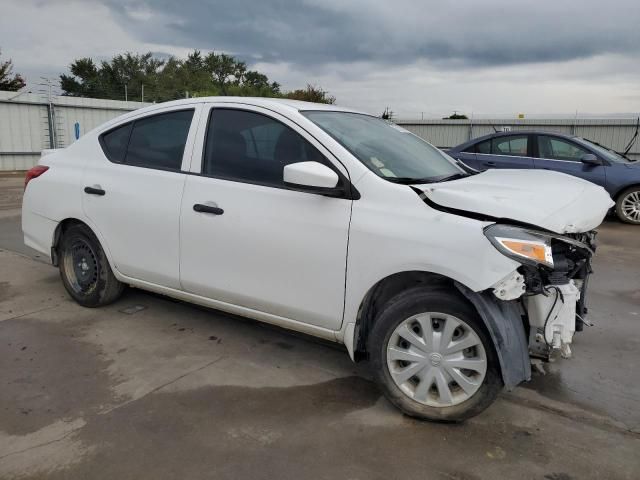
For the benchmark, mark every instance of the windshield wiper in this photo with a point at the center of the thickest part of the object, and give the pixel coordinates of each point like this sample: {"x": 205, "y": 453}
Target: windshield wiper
{"x": 409, "y": 180}
{"x": 455, "y": 176}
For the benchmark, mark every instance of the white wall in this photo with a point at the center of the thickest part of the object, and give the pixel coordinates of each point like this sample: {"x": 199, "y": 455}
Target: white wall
{"x": 24, "y": 125}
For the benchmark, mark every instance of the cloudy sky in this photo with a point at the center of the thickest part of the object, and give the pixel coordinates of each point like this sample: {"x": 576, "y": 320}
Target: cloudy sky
{"x": 420, "y": 57}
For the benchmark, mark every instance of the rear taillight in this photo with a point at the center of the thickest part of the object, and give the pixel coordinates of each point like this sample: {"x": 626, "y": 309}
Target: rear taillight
{"x": 34, "y": 172}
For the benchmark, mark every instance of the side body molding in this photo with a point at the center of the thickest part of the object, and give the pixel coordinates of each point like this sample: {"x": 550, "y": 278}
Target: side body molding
{"x": 504, "y": 322}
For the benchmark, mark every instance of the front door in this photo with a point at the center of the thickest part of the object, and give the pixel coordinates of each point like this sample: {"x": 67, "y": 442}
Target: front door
{"x": 249, "y": 241}
{"x": 562, "y": 155}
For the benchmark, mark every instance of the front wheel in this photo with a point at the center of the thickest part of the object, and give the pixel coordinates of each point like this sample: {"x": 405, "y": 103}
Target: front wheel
{"x": 628, "y": 206}
{"x": 85, "y": 270}
{"x": 432, "y": 356}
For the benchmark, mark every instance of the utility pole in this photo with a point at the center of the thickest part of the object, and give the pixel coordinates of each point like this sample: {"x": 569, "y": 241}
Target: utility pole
{"x": 126, "y": 97}
{"x": 142, "y": 96}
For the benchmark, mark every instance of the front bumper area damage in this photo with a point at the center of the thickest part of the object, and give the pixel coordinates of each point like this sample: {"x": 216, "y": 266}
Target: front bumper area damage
{"x": 535, "y": 311}
{"x": 552, "y": 299}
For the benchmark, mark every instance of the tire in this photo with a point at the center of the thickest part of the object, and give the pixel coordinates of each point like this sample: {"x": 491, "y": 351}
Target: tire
{"x": 85, "y": 270}
{"x": 417, "y": 309}
{"x": 628, "y": 206}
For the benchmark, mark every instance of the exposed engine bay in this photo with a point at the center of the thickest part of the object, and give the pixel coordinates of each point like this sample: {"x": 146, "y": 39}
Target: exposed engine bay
{"x": 552, "y": 296}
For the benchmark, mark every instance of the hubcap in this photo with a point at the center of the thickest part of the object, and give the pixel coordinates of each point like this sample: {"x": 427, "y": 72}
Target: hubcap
{"x": 81, "y": 266}
{"x": 436, "y": 359}
{"x": 631, "y": 206}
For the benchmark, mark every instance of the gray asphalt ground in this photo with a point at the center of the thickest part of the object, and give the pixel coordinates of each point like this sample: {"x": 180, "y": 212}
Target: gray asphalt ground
{"x": 154, "y": 388}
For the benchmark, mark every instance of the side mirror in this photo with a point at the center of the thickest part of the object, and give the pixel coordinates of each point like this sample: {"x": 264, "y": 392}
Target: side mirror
{"x": 312, "y": 177}
{"x": 590, "y": 159}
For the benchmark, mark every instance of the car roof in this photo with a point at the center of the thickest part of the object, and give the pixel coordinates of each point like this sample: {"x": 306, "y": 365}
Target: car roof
{"x": 268, "y": 102}
{"x": 510, "y": 133}
{"x": 279, "y": 105}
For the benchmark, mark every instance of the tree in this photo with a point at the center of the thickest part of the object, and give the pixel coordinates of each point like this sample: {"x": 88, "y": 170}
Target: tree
{"x": 8, "y": 80}
{"x": 173, "y": 78}
{"x": 456, "y": 116}
{"x": 311, "y": 94}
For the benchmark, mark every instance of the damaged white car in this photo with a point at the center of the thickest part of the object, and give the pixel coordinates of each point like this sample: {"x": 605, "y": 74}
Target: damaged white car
{"x": 329, "y": 222}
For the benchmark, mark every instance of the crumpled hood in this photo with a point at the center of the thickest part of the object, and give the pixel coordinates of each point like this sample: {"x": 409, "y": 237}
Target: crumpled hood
{"x": 551, "y": 200}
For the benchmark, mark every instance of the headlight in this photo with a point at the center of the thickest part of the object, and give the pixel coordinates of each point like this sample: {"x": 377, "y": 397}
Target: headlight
{"x": 523, "y": 245}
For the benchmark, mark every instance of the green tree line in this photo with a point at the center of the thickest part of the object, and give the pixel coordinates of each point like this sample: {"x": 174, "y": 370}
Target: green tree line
{"x": 8, "y": 80}
{"x": 159, "y": 80}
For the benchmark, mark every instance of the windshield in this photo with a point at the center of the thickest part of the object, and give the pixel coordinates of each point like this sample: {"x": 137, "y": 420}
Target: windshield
{"x": 389, "y": 151}
{"x": 605, "y": 152}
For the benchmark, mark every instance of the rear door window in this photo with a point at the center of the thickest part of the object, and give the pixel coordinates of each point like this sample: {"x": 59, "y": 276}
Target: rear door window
{"x": 159, "y": 141}
{"x": 513, "y": 145}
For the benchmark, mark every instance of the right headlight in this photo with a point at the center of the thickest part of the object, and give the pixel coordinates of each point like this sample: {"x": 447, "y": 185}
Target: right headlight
{"x": 520, "y": 244}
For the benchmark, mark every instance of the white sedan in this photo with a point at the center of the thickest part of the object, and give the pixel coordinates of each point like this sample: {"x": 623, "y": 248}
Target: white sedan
{"x": 329, "y": 222}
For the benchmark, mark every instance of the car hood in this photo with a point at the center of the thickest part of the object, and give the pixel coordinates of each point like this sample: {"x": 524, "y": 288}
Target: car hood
{"x": 550, "y": 200}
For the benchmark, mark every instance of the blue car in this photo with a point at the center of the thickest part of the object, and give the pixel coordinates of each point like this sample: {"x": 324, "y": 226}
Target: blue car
{"x": 562, "y": 153}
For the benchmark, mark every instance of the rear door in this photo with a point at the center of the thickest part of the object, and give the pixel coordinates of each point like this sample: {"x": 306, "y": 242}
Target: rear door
{"x": 563, "y": 155}
{"x": 133, "y": 189}
{"x": 505, "y": 151}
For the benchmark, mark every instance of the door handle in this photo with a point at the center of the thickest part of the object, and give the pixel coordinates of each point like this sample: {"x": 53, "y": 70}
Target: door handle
{"x": 94, "y": 191}
{"x": 490, "y": 164}
{"x": 199, "y": 207}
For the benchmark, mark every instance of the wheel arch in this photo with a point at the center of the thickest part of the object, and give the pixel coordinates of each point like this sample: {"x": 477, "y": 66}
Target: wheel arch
{"x": 623, "y": 189}
{"x": 502, "y": 320}
{"x": 378, "y": 295}
{"x": 64, "y": 225}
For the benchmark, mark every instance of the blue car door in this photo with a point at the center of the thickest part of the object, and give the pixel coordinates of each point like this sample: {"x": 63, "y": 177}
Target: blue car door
{"x": 505, "y": 151}
{"x": 562, "y": 155}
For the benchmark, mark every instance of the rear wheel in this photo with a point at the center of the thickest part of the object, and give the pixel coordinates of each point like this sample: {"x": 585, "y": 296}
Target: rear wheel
{"x": 628, "y": 206}
{"x": 432, "y": 357}
{"x": 84, "y": 268}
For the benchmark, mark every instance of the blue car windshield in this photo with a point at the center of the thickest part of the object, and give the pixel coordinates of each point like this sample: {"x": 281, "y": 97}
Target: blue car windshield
{"x": 389, "y": 151}
{"x": 605, "y": 152}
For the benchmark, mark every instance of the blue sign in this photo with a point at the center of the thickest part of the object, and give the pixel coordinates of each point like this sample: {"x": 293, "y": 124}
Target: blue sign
{"x": 77, "y": 129}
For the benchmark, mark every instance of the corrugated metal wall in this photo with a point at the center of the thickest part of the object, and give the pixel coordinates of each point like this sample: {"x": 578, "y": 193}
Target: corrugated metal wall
{"x": 25, "y": 129}
{"x": 613, "y": 133}
{"x": 25, "y": 123}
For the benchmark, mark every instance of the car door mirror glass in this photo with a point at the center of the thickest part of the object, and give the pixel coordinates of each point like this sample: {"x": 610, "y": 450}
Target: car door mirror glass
{"x": 313, "y": 175}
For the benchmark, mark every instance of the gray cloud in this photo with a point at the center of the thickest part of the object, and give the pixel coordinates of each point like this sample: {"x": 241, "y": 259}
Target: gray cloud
{"x": 450, "y": 34}
{"x": 418, "y": 57}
